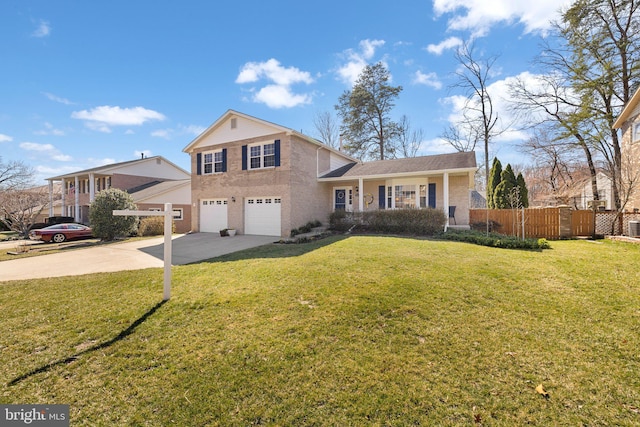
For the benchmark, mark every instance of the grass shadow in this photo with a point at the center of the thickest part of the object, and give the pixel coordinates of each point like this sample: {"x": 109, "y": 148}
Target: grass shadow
{"x": 125, "y": 333}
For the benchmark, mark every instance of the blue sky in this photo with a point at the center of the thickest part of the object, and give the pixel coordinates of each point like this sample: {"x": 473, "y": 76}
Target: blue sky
{"x": 88, "y": 83}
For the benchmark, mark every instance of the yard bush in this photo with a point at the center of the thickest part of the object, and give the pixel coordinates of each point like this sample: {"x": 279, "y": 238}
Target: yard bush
{"x": 342, "y": 221}
{"x": 153, "y": 226}
{"x": 494, "y": 240}
{"x": 107, "y": 226}
{"x": 422, "y": 222}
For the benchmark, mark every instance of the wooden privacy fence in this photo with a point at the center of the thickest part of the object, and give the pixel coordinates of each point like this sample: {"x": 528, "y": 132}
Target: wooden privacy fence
{"x": 550, "y": 223}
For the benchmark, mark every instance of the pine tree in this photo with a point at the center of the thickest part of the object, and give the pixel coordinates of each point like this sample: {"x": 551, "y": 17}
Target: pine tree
{"x": 503, "y": 194}
{"x": 522, "y": 191}
{"x": 494, "y": 179}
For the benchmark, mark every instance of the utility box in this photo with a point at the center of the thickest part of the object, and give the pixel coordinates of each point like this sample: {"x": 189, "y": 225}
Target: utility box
{"x": 634, "y": 228}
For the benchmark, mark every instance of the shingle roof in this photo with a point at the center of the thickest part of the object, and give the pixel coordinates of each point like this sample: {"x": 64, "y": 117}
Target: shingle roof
{"x": 411, "y": 165}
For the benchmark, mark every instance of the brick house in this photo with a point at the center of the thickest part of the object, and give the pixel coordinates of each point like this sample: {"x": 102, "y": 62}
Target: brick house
{"x": 629, "y": 124}
{"x": 262, "y": 178}
{"x": 151, "y": 181}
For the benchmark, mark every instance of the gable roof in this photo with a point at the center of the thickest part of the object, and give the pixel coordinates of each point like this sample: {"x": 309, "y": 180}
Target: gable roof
{"x": 627, "y": 110}
{"x": 142, "y": 193}
{"x": 462, "y": 161}
{"x": 113, "y": 167}
{"x": 262, "y": 123}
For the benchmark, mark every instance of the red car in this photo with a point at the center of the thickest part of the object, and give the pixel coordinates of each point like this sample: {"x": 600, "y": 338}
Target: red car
{"x": 61, "y": 232}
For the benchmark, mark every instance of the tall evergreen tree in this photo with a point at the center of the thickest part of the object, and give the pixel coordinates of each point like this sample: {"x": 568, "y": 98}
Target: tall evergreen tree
{"x": 523, "y": 193}
{"x": 504, "y": 192}
{"x": 493, "y": 181}
{"x": 366, "y": 115}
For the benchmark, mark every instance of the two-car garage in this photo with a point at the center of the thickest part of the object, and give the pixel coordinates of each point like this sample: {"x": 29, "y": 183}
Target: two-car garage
{"x": 262, "y": 215}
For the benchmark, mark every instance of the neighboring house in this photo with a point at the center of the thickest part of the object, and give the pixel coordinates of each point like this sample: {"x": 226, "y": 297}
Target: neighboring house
{"x": 629, "y": 124}
{"x": 266, "y": 179}
{"x": 151, "y": 181}
{"x": 605, "y": 193}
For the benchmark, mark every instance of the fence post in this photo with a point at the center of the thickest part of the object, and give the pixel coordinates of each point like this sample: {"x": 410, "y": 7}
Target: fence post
{"x": 565, "y": 221}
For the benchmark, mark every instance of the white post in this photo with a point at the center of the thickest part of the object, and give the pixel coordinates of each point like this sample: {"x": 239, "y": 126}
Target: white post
{"x": 360, "y": 195}
{"x": 168, "y": 215}
{"x": 445, "y": 189}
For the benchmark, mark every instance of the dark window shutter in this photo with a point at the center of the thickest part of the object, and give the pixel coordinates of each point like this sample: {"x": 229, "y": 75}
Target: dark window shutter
{"x": 277, "y": 152}
{"x": 432, "y": 195}
{"x": 244, "y": 157}
{"x": 224, "y": 160}
{"x": 381, "y": 196}
{"x": 199, "y": 164}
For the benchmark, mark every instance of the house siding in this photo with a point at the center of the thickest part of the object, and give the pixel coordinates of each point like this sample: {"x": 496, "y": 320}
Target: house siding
{"x": 631, "y": 157}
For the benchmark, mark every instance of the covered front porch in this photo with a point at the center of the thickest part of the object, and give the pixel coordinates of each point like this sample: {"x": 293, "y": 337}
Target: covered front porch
{"x": 446, "y": 191}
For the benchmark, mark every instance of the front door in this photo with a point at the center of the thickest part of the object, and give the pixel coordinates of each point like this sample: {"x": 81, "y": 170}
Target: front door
{"x": 341, "y": 199}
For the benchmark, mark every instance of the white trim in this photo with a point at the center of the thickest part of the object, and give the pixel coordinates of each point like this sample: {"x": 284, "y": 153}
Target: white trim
{"x": 348, "y": 203}
{"x": 262, "y": 156}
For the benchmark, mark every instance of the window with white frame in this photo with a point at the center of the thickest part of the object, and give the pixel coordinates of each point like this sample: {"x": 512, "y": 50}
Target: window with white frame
{"x": 180, "y": 213}
{"x": 262, "y": 156}
{"x": 212, "y": 162}
{"x": 405, "y": 196}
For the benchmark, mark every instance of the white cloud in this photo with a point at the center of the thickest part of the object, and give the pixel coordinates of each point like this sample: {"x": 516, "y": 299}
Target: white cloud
{"x": 477, "y": 16}
{"x": 101, "y": 118}
{"x": 502, "y": 106}
{"x": 429, "y": 79}
{"x": 58, "y": 99}
{"x": 275, "y": 96}
{"x": 33, "y": 146}
{"x": 450, "y": 43}
{"x": 357, "y": 60}
{"x": 368, "y": 47}
{"x": 5, "y": 138}
{"x": 50, "y": 130}
{"x": 279, "y": 94}
{"x": 272, "y": 70}
{"x": 45, "y": 149}
{"x": 162, "y": 133}
{"x": 43, "y": 29}
{"x": 193, "y": 129}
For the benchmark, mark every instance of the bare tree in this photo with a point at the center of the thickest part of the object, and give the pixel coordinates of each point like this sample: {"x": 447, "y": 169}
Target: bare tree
{"x": 19, "y": 208}
{"x": 15, "y": 175}
{"x": 480, "y": 118}
{"x": 20, "y": 202}
{"x": 327, "y": 128}
{"x": 408, "y": 139}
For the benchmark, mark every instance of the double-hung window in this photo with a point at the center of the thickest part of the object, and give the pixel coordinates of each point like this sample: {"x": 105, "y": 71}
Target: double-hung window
{"x": 262, "y": 156}
{"x": 213, "y": 162}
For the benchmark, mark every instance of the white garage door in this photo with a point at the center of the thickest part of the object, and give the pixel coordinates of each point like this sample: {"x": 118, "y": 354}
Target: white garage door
{"x": 213, "y": 215}
{"x": 262, "y": 216}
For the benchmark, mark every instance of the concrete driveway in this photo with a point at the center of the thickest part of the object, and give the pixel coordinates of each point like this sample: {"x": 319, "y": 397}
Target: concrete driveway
{"x": 187, "y": 248}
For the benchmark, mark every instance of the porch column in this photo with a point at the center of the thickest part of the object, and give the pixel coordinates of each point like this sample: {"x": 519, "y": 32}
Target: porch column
{"x": 92, "y": 187}
{"x": 63, "y": 209}
{"x": 50, "y": 198}
{"x": 445, "y": 188}
{"x": 76, "y": 213}
{"x": 360, "y": 195}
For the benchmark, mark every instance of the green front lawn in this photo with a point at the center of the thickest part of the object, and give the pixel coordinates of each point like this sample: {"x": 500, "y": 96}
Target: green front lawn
{"x": 342, "y": 331}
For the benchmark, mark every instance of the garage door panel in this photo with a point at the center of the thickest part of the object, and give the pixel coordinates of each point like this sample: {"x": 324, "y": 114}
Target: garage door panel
{"x": 262, "y": 216}
{"x": 213, "y": 215}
